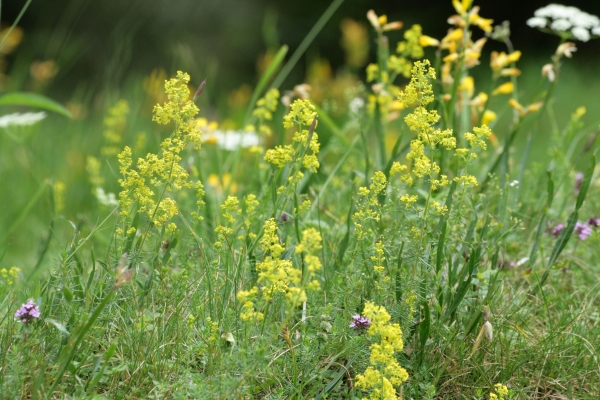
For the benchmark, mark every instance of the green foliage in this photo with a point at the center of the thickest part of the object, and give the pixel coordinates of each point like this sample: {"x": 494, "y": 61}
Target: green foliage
{"x": 345, "y": 244}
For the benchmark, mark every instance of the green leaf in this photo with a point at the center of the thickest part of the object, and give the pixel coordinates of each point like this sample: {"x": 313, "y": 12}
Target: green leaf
{"x": 33, "y": 100}
{"x": 58, "y": 325}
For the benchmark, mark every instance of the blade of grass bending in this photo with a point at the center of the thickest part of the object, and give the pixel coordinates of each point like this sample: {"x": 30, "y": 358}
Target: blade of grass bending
{"x": 329, "y": 123}
{"x": 277, "y": 60}
{"x": 25, "y": 211}
{"x": 34, "y": 100}
{"x": 346, "y": 239}
{"x": 287, "y": 68}
{"x": 96, "y": 378}
{"x": 15, "y": 23}
{"x": 542, "y": 224}
{"x": 464, "y": 283}
{"x": 566, "y": 233}
{"x": 424, "y": 328}
{"x": 336, "y": 379}
{"x": 77, "y": 341}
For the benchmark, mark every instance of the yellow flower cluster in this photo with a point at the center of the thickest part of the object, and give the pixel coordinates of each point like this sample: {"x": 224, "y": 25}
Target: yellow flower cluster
{"x": 500, "y": 392}
{"x": 265, "y": 107}
{"x": 161, "y": 171}
{"x": 302, "y": 114}
{"x": 280, "y": 276}
{"x": 419, "y": 93}
{"x": 9, "y": 276}
{"x": 379, "y": 257}
{"x": 93, "y": 168}
{"x": 114, "y": 125}
{"x": 229, "y": 208}
{"x": 368, "y": 200}
{"x": 384, "y": 374}
{"x": 59, "y": 196}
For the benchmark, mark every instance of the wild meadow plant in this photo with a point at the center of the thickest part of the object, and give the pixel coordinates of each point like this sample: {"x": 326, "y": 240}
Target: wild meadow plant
{"x": 378, "y": 244}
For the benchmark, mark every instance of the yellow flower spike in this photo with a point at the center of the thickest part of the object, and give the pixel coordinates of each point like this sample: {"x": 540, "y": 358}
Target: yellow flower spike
{"x": 472, "y": 58}
{"x": 427, "y": 41}
{"x": 478, "y": 45}
{"x": 505, "y": 88}
{"x": 454, "y": 36}
{"x": 450, "y": 58}
{"x": 487, "y": 117}
{"x": 479, "y": 100}
{"x": 510, "y": 72}
{"x": 467, "y": 84}
{"x": 513, "y": 57}
{"x": 516, "y": 105}
{"x": 461, "y": 7}
{"x": 485, "y": 24}
{"x": 534, "y": 107}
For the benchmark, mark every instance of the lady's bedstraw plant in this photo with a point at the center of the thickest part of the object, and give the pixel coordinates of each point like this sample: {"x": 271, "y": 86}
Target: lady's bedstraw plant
{"x": 277, "y": 275}
{"x": 160, "y": 172}
{"x": 384, "y": 375}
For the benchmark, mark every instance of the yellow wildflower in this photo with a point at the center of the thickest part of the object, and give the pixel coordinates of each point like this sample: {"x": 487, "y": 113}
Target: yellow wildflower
{"x": 505, "y": 88}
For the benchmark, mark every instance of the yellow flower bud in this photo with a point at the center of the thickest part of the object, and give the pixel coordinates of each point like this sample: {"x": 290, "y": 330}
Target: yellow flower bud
{"x": 505, "y": 88}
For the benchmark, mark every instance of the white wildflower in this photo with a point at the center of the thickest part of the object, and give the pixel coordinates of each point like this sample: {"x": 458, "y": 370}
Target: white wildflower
{"x": 560, "y": 25}
{"x": 106, "y": 199}
{"x": 537, "y": 22}
{"x": 356, "y": 104}
{"x": 514, "y": 183}
{"x": 21, "y": 119}
{"x": 581, "y": 33}
{"x": 232, "y": 140}
{"x": 567, "y": 22}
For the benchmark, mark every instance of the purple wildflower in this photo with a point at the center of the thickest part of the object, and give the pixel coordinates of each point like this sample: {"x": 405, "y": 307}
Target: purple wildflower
{"x": 285, "y": 217}
{"x": 578, "y": 182}
{"x": 594, "y": 222}
{"x": 557, "y": 229}
{"x": 28, "y": 312}
{"x": 582, "y": 230}
{"x": 360, "y": 322}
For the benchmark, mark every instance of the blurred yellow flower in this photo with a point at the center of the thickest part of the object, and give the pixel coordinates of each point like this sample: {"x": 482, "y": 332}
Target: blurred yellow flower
{"x": 425, "y": 41}
{"x": 505, "y": 88}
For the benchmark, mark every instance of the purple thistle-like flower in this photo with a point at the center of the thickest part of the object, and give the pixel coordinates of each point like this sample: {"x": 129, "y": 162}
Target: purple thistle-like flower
{"x": 360, "y": 322}
{"x": 557, "y": 229}
{"x": 594, "y": 222}
{"x": 582, "y": 230}
{"x": 28, "y": 312}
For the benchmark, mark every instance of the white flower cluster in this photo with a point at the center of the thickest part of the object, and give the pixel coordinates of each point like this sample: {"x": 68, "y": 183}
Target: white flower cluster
{"x": 232, "y": 140}
{"x": 21, "y": 119}
{"x": 566, "y": 20}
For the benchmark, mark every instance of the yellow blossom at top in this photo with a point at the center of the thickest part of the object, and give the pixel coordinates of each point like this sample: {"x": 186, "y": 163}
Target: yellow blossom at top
{"x": 505, "y": 88}
{"x": 179, "y": 109}
{"x": 461, "y": 6}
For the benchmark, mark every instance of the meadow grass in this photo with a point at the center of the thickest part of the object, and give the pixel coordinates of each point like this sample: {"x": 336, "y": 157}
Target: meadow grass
{"x": 430, "y": 232}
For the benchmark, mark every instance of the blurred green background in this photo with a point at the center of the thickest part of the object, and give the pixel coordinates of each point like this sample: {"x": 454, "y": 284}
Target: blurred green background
{"x": 97, "y": 52}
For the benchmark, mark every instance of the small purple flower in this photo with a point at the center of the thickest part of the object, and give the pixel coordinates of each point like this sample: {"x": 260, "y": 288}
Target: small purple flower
{"x": 285, "y": 217}
{"x": 578, "y": 182}
{"x": 557, "y": 229}
{"x": 594, "y": 222}
{"x": 28, "y": 312}
{"x": 360, "y": 322}
{"x": 582, "y": 230}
